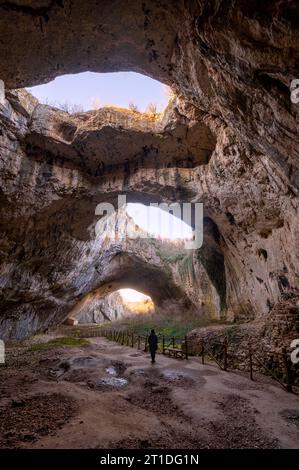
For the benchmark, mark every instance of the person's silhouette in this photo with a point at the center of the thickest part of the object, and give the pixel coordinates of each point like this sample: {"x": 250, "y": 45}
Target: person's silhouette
{"x": 153, "y": 344}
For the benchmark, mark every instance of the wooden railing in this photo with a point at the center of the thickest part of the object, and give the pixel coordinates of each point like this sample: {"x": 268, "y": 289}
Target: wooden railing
{"x": 178, "y": 348}
{"x": 172, "y": 345}
{"x": 222, "y": 360}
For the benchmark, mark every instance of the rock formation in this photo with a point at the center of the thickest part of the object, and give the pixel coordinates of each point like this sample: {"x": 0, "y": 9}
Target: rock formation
{"x": 95, "y": 309}
{"x": 229, "y": 140}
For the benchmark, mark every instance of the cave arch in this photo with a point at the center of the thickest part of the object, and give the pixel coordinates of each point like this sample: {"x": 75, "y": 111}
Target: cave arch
{"x": 128, "y": 271}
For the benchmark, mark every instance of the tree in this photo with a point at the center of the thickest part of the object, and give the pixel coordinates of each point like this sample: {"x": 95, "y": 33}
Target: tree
{"x": 71, "y": 108}
{"x": 151, "y": 109}
{"x": 133, "y": 107}
{"x": 95, "y": 103}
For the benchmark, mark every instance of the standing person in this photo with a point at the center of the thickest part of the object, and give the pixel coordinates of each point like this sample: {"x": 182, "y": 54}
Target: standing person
{"x": 153, "y": 344}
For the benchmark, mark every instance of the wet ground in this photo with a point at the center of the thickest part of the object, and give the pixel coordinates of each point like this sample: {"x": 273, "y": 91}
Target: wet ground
{"x": 107, "y": 396}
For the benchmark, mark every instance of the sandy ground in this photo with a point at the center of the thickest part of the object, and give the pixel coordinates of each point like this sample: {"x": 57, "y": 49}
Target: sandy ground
{"x": 108, "y": 396}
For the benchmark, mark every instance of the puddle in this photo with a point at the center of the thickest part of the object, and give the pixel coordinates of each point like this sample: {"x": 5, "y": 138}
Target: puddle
{"x": 172, "y": 375}
{"x": 179, "y": 379}
{"x": 116, "y": 382}
{"x": 138, "y": 372}
{"x": 94, "y": 371}
{"x": 111, "y": 370}
{"x": 292, "y": 416}
{"x": 87, "y": 361}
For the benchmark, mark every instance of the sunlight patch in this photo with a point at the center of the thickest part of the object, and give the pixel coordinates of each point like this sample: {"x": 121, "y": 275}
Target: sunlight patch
{"x": 136, "y": 302}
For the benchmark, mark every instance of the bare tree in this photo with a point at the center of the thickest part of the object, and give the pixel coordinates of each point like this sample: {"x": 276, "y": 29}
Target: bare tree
{"x": 95, "y": 102}
{"x": 71, "y": 108}
{"x": 151, "y": 109}
{"x": 133, "y": 107}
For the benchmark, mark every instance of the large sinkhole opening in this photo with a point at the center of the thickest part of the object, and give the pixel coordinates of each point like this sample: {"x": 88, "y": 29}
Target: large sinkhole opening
{"x": 159, "y": 223}
{"x": 89, "y": 90}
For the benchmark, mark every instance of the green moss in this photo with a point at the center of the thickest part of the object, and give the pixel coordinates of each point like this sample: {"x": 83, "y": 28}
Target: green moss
{"x": 171, "y": 258}
{"x": 65, "y": 341}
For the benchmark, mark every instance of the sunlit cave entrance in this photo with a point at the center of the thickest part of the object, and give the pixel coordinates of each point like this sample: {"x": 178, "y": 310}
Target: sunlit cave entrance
{"x": 118, "y": 305}
{"x": 136, "y": 302}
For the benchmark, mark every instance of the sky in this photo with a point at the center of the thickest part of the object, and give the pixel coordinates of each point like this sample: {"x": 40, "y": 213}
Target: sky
{"x": 158, "y": 222}
{"x": 90, "y": 89}
{"x": 132, "y": 295}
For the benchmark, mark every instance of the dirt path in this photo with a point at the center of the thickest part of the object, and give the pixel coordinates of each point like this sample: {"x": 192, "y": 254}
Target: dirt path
{"x": 106, "y": 396}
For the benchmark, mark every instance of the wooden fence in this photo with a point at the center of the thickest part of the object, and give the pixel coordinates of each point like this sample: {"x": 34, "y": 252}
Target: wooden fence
{"x": 178, "y": 348}
{"x": 222, "y": 360}
{"x": 172, "y": 345}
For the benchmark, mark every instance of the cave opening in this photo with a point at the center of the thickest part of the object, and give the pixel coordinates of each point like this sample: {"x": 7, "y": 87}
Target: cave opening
{"x": 117, "y": 304}
{"x": 87, "y": 91}
{"x": 161, "y": 221}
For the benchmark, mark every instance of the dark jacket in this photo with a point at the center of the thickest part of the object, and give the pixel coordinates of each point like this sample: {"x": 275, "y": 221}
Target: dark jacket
{"x": 153, "y": 341}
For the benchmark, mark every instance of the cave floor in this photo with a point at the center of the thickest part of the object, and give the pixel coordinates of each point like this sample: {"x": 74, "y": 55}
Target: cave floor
{"x": 109, "y": 396}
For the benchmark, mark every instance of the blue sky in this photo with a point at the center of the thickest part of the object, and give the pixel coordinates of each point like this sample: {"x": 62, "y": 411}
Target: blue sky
{"x": 158, "y": 222}
{"x": 117, "y": 88}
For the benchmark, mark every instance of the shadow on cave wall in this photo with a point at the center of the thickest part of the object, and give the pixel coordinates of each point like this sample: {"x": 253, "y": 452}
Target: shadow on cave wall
{"x": 211, "y": 257}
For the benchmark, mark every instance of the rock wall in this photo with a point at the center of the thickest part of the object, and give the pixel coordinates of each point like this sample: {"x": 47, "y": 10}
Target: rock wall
{"x": 94, "y": 309}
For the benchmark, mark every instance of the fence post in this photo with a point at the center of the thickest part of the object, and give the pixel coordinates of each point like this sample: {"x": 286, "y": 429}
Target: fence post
{"x": 186, "y": 347}
{"x": 173, "y": 342}
{"x": 288, "y": 372}
{"x": 202, "y": 352}
{"x": 250, "y": 362}
{"x": 132, "y": 344}
{"x": 138, "y": 344}
{"x": 225, "y": 345}
{"x": 145, "y": 343}
{"x": 163, "y": 344}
